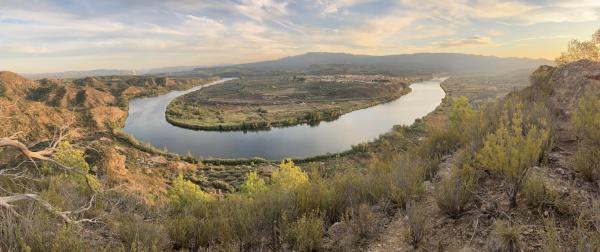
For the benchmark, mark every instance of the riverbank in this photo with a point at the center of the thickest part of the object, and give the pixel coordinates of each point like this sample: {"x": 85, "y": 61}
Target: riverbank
{"x": 263, "y": 103}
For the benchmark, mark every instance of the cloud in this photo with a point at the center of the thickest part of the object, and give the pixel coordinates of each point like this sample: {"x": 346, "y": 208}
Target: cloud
{"x": 466, "y": 42}
{"x": 149, "y": 33}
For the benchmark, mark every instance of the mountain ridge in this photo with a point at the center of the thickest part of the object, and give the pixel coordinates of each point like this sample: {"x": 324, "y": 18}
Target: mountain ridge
{"x": 312, "y": 61}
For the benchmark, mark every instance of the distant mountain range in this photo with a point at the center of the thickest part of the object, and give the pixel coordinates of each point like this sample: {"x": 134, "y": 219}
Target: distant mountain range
{"x": 320, "y": 62}
{"x": 107, "y": 72}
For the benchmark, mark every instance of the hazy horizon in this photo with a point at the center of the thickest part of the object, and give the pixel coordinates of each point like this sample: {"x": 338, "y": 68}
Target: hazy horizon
{"x": 61, "y": 35}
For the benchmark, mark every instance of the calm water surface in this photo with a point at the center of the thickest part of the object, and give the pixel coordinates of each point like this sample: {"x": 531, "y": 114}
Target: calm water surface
{"x": 147, "y": 123}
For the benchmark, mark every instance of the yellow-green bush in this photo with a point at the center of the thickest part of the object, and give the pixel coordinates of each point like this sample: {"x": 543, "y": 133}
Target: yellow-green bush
{"x": 184, "y": 193}
{"x": 253, "y": 184}
{"x": 514, "y": 148}
{"x": 586, "y": 159}
{"x": 288, "y": 176}
{"x": 586, "y": 118}
{"x": 462, "y": 119}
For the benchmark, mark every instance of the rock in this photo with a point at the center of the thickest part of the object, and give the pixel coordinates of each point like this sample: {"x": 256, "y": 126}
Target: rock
{"x": 338, "y": 230}
{"x": 572, "y": 82}
{"x": 158, "y": 159}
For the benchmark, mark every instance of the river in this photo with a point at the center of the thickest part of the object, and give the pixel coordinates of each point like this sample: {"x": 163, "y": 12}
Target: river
{"x": 147, "y": 123}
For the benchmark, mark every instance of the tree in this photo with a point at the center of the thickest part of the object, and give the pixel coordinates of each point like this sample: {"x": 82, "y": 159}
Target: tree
{"x": 514, "y": 148}
{"x": 578, "y": 50}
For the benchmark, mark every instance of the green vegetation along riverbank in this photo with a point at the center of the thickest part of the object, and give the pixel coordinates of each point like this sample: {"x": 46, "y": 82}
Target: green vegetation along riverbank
{"x": 259, "y": 103}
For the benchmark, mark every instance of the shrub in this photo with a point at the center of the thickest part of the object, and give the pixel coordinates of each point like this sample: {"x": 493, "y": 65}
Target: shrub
{"x": 586, "y": 160}
{"x": 288, "y": 176}
{"x": 586, "y": 118}
{"x": 184, "y": 193}
{"x": 253, "y": 184}
{"x": 454, "y": 192}
{"x": 140, "y": 235}
{"x": 586, "y": 236}
{"x": 417, "y": 223}
{"x": 551, "y": 240}
{"x": 508, "y": 236}
{"x": 535, "y": 192}
{"x": 71, "y": 157}
{"x": 408, "y": 181}
{"x": 306, "y": 234}
{"x": 181, "y": 231}
{"x": 513, "y": 148}
{"x": 361, "y": 221}
{"x": 462, "y": 119}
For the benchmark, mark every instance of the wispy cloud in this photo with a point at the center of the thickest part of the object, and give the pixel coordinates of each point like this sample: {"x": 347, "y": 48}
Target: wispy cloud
{"x": 466, "y": 42}
{"x": 48, "y": 35}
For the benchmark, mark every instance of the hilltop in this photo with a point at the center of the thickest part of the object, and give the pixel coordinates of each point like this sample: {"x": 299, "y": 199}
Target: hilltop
{"x": 418, "y": 63}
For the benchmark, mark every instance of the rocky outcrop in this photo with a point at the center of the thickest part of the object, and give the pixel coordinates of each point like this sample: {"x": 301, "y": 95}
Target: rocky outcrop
{"x": 570, "y": 83}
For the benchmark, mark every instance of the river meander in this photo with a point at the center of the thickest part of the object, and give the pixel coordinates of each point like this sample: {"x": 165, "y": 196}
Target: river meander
{"x": 147, "y": 123}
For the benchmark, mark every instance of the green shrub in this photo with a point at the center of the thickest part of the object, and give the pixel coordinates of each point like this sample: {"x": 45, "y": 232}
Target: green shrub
{"x": 514, "y": 148}
{"x": 454, "y": 192}
{"x": 586, "y": 160}
{"x": 586, "y": 235}
{"x": 306, "y": 234}
{"x": 181, "y": 231}
{"x": 508, "y": 236}
{"x": 534, "y": 191}
{"x": 288, "y": 176}
{"x": 253, "y": 184}
{"x": 586, "y": 118}
{"x": 71, "y": 157}
{"x": 139, "y": 234}
{"x": 462, "y": 120}
{"x": 408, "y": 181}
{"x": 184, "y": 193}
{"x": 417, "y": 223}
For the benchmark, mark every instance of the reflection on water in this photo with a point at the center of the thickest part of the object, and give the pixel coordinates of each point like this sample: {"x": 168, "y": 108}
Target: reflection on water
{"x": 147, "y": 123}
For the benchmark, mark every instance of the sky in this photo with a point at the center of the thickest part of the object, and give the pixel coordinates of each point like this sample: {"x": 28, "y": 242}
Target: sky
{"x": 59, "y": 35}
